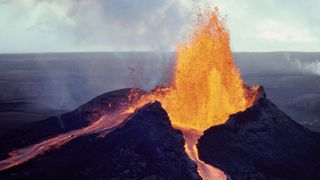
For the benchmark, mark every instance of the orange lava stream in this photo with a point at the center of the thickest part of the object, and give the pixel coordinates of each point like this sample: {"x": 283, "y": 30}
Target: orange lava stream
{"x": 105, "y": 123}
{"x": 205, "y": 170}
{"x": 207, "y": 87}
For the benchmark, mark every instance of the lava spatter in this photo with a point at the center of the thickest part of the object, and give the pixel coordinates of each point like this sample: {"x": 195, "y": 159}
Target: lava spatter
{"x": 206, "y": 89}
{"x": 207, "y": 86}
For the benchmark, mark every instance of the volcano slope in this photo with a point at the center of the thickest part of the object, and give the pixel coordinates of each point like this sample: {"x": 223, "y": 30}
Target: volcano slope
{"x": 146, "y": 146}
{"x": 79, "y": 118}
{"x": 262, "y": 143}
{"x": 259, "y": 143}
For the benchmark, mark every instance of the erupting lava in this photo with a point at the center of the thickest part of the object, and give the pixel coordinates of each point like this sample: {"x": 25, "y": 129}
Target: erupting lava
{"x": 207, "y": 88}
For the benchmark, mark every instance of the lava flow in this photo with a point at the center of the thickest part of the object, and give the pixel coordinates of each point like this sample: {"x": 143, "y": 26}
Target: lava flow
{"x": 207, "y": 87}
{"x": 206, "y": 90}
{"x": 106, "y": 123}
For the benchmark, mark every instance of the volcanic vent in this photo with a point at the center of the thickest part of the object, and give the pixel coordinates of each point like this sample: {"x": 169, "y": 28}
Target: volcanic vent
{"x": 207, "y": 88}
{"x": 137, "y": 137}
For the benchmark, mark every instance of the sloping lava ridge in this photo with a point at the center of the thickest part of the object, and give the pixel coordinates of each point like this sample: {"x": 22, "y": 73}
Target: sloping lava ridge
{"x": 262, "y": 143}
{"x": 259, "y": 143}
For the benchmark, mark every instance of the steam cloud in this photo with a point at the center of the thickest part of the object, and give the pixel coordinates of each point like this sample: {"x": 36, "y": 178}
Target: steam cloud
{"x": 309, "y": 66}
{"x": 124, "y": 25}
{"x": 97, "y": 25}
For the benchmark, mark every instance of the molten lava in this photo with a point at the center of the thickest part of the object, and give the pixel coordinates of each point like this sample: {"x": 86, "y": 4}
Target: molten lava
{"x": 106, "y": 123}
{"x": 207, "y": 89}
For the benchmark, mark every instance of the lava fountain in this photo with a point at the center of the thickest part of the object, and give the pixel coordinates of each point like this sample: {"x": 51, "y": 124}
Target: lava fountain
{"x": 206, "y": 90}
{"x": 207, "y": 87}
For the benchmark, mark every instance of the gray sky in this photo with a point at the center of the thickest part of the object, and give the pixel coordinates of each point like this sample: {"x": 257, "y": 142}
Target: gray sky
{"x": 126, "y": 25}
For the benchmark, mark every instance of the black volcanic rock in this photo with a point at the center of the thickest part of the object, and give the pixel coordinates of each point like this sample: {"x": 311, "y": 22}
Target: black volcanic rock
{"x": 80, "y": 117}
{"x": 145, "y": 147}
{"x": 262, "y": 143}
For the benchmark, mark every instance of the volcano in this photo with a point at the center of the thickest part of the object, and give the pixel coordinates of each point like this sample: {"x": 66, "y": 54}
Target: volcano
{"x": 258, "y": 143}
{"x": 207, "y": 124}
{"x": 145, "y": 147}
{"x": 262, "y": 142}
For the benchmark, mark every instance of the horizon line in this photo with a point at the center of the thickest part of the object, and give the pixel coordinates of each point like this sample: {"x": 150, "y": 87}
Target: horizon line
{"x": 88, "y": 52}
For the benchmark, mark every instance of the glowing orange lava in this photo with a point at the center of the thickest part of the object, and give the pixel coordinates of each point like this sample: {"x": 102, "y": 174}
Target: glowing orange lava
{"x": 207, "y": 87}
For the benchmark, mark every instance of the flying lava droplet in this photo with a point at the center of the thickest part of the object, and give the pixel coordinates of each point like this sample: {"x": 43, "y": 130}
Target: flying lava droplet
{"x": 207, "y": 88}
